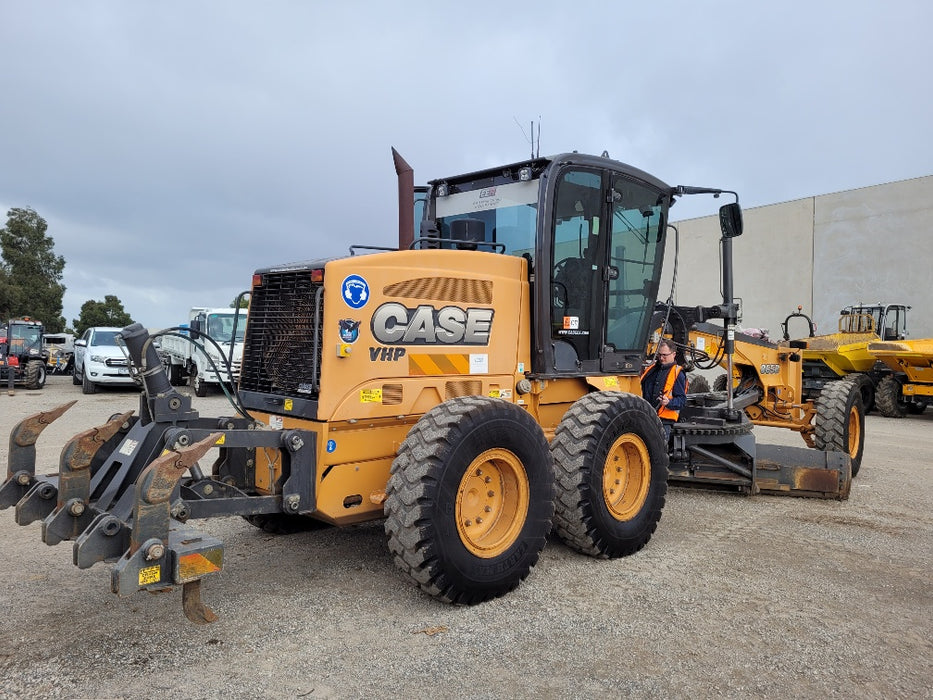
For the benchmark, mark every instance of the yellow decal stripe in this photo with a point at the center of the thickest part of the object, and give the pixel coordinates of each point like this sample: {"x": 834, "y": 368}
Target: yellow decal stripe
{"x": 430, "y": 365}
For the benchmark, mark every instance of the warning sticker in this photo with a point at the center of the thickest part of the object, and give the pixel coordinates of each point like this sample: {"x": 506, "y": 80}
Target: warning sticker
{"x": 371, "y": 396}
{"x": 150, "y": 575}
{"x": 611, "y": 381}
{"x": 128, "y": 447}
{"x": 276, "y": 422}
{"x": 289, "y": 405}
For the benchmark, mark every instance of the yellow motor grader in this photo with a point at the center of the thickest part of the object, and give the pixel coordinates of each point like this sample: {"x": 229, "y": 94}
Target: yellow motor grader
{"x": 768, "y": 382}
{"x": 473, "y": 387}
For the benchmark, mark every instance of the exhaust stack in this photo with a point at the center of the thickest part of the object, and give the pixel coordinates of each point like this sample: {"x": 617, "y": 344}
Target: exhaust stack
{"x": 406, "y": 198}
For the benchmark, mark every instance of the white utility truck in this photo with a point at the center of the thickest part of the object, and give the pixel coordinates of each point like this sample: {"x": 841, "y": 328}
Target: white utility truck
{"x": 187, "y": 355}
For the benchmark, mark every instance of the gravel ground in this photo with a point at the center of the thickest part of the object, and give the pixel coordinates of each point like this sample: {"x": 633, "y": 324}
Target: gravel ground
{"x": 733, "y": 597}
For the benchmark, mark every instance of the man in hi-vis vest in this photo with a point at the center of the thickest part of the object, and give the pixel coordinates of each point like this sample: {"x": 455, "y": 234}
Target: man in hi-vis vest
{"x": 664, "y": 386}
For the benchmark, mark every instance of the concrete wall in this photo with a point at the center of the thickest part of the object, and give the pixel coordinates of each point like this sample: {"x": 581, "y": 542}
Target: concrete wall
{"x": 869, "y": 245}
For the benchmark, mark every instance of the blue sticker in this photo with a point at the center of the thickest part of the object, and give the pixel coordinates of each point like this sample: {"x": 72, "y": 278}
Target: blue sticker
{"x": 349, "y": 330}
{"x": 331, "y": 445}
{"x": 355, "y": 291}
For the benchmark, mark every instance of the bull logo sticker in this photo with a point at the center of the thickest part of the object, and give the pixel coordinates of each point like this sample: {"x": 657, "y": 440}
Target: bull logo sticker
{"x": 355, "y": 291}
{"x": 349, "y": 330}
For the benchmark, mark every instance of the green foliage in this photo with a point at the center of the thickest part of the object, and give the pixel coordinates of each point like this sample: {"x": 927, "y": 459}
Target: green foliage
{"x": 30, "y": 272}
{"x": 108, "y": 312}
{"x": 244, "y": 302}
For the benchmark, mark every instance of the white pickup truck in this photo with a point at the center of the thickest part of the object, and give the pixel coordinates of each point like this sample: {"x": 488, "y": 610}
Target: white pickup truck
{"x": 186, "y": 362}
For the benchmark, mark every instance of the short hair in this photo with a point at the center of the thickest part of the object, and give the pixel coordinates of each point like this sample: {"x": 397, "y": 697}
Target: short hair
{"x": 668, "y": 344}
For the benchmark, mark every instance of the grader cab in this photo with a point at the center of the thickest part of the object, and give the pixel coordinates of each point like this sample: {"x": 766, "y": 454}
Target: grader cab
{"x": 474, "y": 389}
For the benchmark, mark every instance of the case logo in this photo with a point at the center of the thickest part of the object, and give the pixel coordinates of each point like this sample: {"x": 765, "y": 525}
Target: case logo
{"x": 395, "y": 324}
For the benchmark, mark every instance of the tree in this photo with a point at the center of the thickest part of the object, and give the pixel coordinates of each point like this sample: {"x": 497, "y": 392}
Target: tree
{"x": 108, "y": 312}
{"x": 30, "y": 272}
{"x": 244, "y": 302}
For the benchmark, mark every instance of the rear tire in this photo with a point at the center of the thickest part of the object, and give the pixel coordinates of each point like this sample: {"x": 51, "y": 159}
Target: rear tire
{"x": 840, "y": 420}
{"x": 470, "y": 499}
{"x": 611, "y": 461}
{"x": 75, "y": 377}
{"x": 866, "y": 389}
{"x": 889, "y": 399}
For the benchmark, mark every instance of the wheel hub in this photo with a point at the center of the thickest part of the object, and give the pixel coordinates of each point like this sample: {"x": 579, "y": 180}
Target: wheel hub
{"x": 626, "y": 477}
{"x": 492, "y": 502}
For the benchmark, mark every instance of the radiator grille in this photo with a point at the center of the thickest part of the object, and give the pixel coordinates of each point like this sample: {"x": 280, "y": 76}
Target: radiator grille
{"x": 283, "y": 338}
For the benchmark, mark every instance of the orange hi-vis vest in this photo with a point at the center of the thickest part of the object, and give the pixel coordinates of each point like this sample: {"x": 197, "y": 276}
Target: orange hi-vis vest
{"x": 663, "y": 411}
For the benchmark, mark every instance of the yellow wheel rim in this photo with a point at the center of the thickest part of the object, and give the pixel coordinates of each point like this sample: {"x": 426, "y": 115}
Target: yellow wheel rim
{"x": 492, "y": 503}
{"x": 626, "y": 477}
{"x": 854, "y": 432}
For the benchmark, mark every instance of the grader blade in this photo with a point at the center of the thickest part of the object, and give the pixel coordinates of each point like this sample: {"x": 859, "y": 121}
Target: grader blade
{"x": 21, "y": 465}
{"x": 800, "y": 471}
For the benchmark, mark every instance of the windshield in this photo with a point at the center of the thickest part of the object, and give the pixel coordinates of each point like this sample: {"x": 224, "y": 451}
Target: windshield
{"x": 502, "y": 213}
{"x": 25, "y": 336}
{"x": 104, "y": 338}
{"x": 220, "y": 327}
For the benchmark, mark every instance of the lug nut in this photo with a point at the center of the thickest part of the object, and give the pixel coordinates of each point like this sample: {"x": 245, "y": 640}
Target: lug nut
{"x": 76, "y": 507}
{"x": 156, "y": 551}
{"x": 23, "y": 479}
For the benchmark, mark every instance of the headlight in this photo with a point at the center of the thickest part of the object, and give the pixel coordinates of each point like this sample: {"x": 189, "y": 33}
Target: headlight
{"x": 99, "y": 358}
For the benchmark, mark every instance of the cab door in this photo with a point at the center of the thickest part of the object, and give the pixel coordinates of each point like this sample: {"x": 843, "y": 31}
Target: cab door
{"x": 576, "y": 275}
{"x": 635, "y": 249}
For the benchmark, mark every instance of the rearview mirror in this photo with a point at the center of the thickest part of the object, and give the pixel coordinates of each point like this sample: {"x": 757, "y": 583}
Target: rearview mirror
{"x": 730, "y": 220}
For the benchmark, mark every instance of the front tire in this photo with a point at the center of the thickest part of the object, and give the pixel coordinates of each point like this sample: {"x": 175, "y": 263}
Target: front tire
{"x": 87, "y": 386}
{"x": 611, "y": 461}
{"x": 198, "y": 384}
{"x": 889, "y": 398}
{"x": 35, "y": 374}
{"x": 470, "y": 499}
{"x": 840, "y": 420}
{"x": 698, "y": 384}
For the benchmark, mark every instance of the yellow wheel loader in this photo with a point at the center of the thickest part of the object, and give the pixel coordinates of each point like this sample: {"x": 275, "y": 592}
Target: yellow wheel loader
{"x": 474, "y": 388}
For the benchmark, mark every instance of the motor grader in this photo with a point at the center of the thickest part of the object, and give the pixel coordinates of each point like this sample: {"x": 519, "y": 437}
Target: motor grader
{"x": 473, "y": 387}
{"x": 768, "y": 382}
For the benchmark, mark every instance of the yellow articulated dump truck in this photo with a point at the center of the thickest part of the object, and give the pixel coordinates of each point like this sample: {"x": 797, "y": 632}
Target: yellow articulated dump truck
{"x": 908, "y": 387}
{"x": 474, "y": 386}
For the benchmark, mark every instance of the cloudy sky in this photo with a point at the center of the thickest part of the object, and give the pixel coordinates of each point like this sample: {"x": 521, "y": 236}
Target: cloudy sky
{"x": 174, "y": 147}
